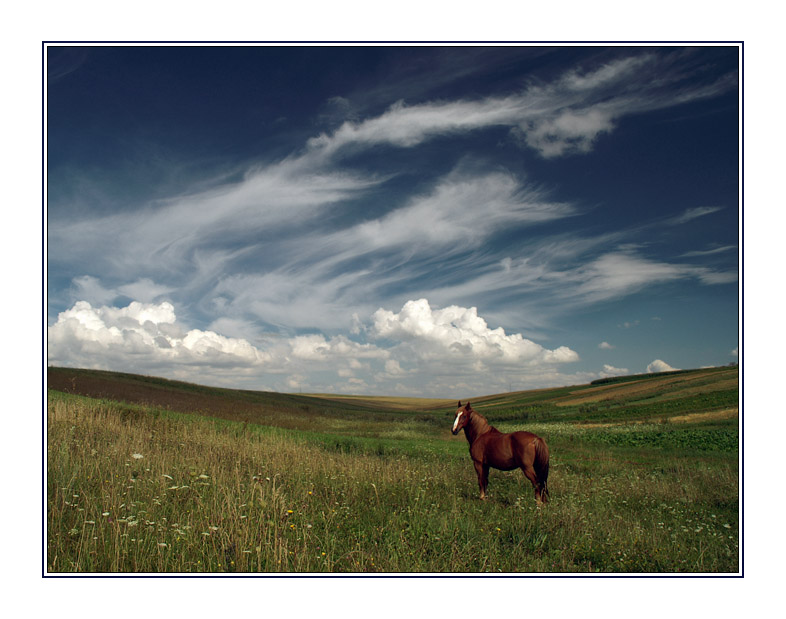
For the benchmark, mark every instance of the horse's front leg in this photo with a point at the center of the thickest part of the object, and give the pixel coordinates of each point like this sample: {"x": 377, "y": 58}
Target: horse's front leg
{"x": 483, "y": 478}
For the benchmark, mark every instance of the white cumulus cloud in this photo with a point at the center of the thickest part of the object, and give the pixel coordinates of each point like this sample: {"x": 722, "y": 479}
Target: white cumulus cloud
{"x": 148, "y": 338}
{"x": 460, "y": 333}
{"x": 610, "y": 370}
{"x": 140, "y": 335}
{"x": 317, "y": 347}
{"x": 659, "y": 366}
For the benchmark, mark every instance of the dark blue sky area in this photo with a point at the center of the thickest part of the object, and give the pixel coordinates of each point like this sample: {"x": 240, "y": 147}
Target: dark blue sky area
{"x": 345, "y": 217}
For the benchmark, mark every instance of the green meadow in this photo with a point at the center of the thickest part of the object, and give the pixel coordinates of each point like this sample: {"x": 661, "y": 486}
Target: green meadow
{"x": 147, "y": 475}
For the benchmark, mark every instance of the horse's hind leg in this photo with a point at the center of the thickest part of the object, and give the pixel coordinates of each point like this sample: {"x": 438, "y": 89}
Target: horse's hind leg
{"x": 483, "y": 478}
{"x": 529, "y": 472}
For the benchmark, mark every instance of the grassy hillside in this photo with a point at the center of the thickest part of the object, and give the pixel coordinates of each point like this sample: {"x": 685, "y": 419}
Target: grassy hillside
{"x": 641, "y": 397}
{"x": 151, "y": 475}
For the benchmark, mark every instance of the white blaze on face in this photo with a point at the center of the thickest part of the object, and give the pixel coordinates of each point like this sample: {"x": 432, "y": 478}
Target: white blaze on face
{"x": 458, "y": 416}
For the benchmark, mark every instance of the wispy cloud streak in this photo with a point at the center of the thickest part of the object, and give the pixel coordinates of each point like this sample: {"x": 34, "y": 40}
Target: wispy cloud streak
{"x": 561, "y": 117}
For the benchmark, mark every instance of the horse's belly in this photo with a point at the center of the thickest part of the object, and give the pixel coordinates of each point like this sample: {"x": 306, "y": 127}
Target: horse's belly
{"x": 499, "y": 455}
{"x": 503, "y": 465}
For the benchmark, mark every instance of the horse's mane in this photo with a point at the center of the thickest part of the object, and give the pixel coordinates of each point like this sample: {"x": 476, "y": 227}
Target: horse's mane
{"x": 479, "y": 424}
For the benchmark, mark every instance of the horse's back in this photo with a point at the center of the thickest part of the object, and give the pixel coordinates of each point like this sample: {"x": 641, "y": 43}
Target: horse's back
{"x": 525, "y": 441}
{"x": 523, "y": 437}
{"x": 525, "y": 445}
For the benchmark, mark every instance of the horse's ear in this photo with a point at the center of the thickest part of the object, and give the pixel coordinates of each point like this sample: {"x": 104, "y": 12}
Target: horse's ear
{"x": 469, "y": 407}
{"x": 459, "y": 404}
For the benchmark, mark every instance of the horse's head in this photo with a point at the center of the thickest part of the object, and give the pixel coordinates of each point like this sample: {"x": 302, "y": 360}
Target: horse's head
{"x": 462, "y": 417}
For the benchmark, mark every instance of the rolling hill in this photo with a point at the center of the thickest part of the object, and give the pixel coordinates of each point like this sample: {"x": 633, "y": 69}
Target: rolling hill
{"x": 663, "y": 396}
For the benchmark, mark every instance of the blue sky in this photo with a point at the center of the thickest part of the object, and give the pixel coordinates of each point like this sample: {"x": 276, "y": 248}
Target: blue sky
{"x": 438, "y": 221}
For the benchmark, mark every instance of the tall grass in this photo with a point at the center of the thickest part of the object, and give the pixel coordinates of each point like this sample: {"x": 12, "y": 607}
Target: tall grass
{"x": 136, "y": 489}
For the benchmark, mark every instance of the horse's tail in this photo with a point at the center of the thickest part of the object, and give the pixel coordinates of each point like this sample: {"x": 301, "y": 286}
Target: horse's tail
{"x": 541, "y": 466}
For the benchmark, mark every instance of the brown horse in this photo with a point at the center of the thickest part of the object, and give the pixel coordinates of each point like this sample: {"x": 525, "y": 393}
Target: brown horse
{"x": 489, "y": 447}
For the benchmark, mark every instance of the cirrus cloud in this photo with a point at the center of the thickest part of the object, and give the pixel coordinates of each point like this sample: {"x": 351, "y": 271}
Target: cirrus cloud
{"x": 562, "y": 117}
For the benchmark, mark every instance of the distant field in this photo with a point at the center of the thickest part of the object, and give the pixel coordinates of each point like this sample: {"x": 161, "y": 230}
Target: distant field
{"x": 151, "y": 475}
{"x": 388, "y": 402}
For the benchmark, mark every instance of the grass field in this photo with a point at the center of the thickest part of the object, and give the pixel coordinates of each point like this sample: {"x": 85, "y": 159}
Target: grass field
{"x": 149, "y": 475}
